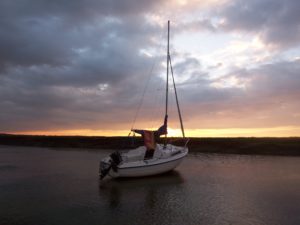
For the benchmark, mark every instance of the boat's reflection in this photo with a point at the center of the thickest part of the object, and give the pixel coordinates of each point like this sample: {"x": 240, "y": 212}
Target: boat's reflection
{"x": 146, "y": 190}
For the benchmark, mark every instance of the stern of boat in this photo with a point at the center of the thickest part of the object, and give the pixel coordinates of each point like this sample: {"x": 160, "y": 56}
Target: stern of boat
{"x": 109, "y": 165}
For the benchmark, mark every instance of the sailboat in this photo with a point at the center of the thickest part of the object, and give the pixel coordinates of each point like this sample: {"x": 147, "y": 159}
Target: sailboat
{"x": 152, "y": 158}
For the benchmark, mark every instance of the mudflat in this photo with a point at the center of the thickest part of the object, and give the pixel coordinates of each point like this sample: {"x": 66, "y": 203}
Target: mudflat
{"x": 257, "y": 146}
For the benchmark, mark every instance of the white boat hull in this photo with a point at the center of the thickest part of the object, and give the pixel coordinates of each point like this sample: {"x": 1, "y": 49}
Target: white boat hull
{"x": 146, "y": 169}
{"x": 162, "y": 163}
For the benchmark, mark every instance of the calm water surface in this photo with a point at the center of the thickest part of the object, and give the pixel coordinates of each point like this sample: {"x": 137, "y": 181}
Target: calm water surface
{"x": 45, "y": 186}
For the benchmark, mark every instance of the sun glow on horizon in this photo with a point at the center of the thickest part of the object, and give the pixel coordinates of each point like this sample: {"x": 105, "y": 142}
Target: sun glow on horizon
{"x": 288, "y": 131}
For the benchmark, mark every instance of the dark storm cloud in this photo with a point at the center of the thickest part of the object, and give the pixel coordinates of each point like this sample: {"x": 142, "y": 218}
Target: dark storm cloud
{"x": 50, "y": 32}
{"x": 276, "y": 21}
{"x": 70, "y": 62}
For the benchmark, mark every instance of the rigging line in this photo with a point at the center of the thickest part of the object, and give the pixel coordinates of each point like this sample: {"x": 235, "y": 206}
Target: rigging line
{"x": 179, "y": 113}
{"x": 155, "y": 104}
{"x": 142, "y": 98}
{"x": 154, "y": 120}
{"x": 146, "y": 87}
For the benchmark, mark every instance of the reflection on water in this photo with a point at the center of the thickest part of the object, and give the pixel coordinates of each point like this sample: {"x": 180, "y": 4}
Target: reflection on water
{"x": 115, "y": 191}
{"x": 44, "y": 186}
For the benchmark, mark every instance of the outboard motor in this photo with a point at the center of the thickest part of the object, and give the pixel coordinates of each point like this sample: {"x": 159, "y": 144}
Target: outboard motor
{"x": 115, "y": 160}
{"x": 104, "y": 169}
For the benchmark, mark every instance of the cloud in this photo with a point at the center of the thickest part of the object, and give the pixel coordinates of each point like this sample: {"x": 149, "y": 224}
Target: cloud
{"x": 50, "y": 32}
{"x": 275, "y": 21}
{"x": 83, "y": 65}
{"x": 68, "y": 64}
{"x": 263, "y": 96}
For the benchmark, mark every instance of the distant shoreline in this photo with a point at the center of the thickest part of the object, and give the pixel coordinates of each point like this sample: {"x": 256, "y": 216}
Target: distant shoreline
{"x": 285, "y": 146}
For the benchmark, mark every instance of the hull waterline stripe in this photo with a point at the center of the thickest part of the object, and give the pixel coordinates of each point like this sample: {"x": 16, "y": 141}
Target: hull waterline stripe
{"x": 151, "y": 164}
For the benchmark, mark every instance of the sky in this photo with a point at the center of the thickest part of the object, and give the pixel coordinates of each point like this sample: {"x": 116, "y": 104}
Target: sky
{"x": 98, "y": 67}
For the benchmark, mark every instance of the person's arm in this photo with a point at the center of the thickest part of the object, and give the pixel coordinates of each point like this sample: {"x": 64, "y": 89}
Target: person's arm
{"x": 141, "y": 132}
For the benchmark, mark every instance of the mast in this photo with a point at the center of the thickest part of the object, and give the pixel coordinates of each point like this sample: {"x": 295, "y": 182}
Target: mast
{"x": 167, "y": 83}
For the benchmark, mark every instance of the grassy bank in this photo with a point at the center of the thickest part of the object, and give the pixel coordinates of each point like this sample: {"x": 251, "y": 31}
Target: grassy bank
{"x": 255, "y": 146}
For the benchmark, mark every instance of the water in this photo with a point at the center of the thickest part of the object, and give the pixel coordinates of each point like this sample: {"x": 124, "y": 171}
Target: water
{"x": 44, "y": 186}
